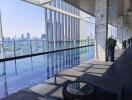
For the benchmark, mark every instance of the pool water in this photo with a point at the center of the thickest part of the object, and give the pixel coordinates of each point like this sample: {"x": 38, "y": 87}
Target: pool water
{"x": 23, "y": 73}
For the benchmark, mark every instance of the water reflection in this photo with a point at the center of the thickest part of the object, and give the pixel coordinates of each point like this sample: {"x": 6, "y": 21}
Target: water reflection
{"x": 18, "y": 74}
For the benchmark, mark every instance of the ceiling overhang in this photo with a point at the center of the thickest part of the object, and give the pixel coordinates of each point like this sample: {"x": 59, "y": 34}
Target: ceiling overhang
{"x": 38, "y": 2}
{"x": 87, "y": 6}
{"x": 117, "y": 8}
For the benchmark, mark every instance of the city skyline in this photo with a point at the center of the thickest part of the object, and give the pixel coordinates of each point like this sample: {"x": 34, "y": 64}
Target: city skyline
{"x": 26, "y": 36}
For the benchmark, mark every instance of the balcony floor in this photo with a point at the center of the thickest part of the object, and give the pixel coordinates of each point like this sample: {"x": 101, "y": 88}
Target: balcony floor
{"x": 121, "y": 69}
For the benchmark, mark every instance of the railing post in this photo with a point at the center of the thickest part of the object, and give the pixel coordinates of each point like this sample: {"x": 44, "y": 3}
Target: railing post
{"x": 43, "y": 45}
{"x": 30, "y": 46}
{"x": 14, "y": 48}
{"x": 2, "y": 49}
{"x": 31, "y": 53}
{"x": 14, "y": 42}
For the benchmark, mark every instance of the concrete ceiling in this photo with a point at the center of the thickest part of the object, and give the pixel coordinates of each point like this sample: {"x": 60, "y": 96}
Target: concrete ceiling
{"x": 85, "y": 5}
{"x": 117, "y": 8}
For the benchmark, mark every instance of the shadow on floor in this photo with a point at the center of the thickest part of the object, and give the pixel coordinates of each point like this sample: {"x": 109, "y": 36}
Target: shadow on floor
{"x": 121, "y": 70}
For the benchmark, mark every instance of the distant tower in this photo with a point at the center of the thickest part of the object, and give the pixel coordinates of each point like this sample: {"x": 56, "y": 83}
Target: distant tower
{"x": 22, "y": 37}
{"x": 28, "y": 36}
{"x": 1, "y": 38}
{"x": 43, "y": 36}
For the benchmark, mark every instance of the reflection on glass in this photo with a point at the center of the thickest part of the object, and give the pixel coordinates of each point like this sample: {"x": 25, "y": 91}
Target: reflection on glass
{"x": 11, "y": 69}
{"x": 23, "y": 65}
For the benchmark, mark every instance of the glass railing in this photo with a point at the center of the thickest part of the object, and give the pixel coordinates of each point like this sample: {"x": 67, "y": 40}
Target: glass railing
{"x": 29, "y": 47}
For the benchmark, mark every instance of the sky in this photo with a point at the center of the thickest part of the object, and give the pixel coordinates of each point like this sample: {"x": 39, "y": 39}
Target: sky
{"x": 19, "y": 17}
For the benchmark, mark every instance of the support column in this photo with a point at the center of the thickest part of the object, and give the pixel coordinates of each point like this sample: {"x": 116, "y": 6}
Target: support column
{"x": 119, "y": 37}
{"x": 101, "y": 29}
{"x": 125, "y": 33}
{"x": 120, "y": 32}
{"x": 130, "y": 32}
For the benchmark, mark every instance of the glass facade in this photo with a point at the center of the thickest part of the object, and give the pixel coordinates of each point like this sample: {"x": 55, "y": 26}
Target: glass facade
{"x": 64, "y": 27}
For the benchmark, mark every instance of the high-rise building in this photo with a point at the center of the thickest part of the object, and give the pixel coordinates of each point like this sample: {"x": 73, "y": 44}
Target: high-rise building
{"x": 59, "y": 25}
{"x": 22, "y": 37}
{"x": 65, "y": 24}
{"x": 43, "y": 37}
{"x": 28, "y": 36}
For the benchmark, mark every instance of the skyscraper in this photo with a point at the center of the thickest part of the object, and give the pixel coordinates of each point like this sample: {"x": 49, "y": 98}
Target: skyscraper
{"x": 22, "y": 37}
{"x": 43, "y": 37}
{"x": 28, "y": 36}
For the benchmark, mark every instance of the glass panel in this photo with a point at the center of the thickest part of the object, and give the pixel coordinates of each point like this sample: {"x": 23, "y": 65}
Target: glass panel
{"x": 37, "y": 46}
{"x": 22, "y": 48}
{"x": 19, "y": 48}
{"x": 8, "y": 49}
{"x": 1, "y": 50}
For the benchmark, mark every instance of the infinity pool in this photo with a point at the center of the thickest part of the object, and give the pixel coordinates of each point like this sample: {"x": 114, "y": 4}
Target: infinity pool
{"x": 23, "y": 73}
